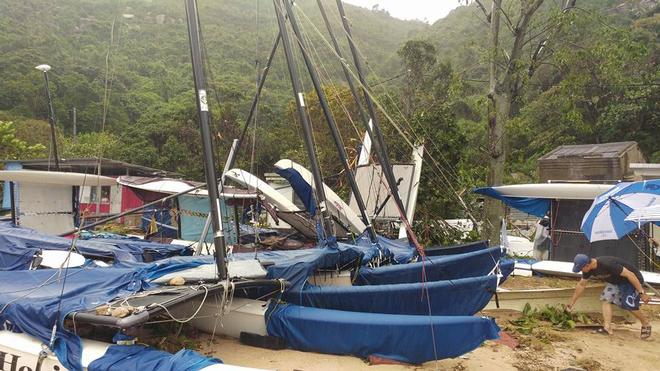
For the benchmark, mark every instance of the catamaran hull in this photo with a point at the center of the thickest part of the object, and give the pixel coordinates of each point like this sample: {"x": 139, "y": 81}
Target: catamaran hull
{"x": 465, "y": 296}
{"x": 404, "y": 338}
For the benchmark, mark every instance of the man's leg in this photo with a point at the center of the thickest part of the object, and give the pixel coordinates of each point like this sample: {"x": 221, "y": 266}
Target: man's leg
{"x": 607, "y": 317}
{"x": 640, "y": 317}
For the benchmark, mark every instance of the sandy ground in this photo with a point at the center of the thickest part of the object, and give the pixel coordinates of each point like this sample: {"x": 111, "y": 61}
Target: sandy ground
{"x": 577, "y": 349}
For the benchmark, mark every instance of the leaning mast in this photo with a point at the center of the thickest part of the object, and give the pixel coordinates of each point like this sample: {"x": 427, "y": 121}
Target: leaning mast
{"x": 204, "y": 118}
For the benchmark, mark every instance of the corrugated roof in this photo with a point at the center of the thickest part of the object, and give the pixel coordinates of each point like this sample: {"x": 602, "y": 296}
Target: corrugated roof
{"x": 87, "y": 165}
{"x": 602, "y": 150}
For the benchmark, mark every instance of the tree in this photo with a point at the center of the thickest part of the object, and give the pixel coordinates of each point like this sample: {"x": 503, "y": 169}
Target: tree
{"x": 508, "y": 73}
{"x": 12, "y": 148}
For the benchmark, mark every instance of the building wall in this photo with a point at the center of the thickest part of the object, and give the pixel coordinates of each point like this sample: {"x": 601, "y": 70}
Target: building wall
{"x": 590, "y": 167}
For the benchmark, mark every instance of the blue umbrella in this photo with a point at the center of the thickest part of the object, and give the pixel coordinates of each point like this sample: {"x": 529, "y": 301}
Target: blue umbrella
{"x": 606, "y": 219}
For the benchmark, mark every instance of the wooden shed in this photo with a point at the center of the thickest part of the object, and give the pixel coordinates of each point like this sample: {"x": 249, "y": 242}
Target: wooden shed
{"x": 588, "y": 162}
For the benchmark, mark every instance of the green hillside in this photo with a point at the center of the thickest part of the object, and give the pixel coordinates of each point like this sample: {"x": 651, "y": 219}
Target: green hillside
{"x": 149, "y": 62}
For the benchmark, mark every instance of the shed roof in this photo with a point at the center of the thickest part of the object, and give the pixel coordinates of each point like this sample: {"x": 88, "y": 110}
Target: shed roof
{"x": 601, "y": 150}
{"x": 109, "y": 167}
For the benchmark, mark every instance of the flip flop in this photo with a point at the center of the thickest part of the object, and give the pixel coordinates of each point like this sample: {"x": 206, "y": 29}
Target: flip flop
{"x": 601, "y": 331}
{"x": 646, "y": 332}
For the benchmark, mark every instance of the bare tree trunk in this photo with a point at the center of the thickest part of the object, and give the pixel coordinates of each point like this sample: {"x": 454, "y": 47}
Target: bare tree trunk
{"x": 493, "y": 209}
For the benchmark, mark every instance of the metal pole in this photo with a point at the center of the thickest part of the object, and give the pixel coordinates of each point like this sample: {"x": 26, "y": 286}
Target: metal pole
{"x": 75, "y": 128}
{"x": 203, "y": 113}
{"x": 12, "y": 200}
{"x": 53, "y": 137}
{"x": 336, "y": 136}
{"x": 379, "y": 143}
{"x": 255, "y": 100}
{"x": 349, "y": 79}
{"x": 326, "y": 221}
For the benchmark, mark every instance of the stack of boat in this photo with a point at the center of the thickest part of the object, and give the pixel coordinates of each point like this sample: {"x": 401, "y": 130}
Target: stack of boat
{"x": 412, "y": 312}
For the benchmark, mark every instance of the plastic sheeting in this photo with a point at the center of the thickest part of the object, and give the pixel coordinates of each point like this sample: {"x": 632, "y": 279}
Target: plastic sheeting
{"x": 15, "y": 258}
{"x": 30, "y": 301}
{"x": 456, "y": 249}
{"x": 20, "y": 237}
{"x": 474, "y": 264}
{"x": 140, "y": 357}
{"x": 533, "y": 206}
{"x": 302, "y": 189}
{"x": 120, "y": 250}
{"x": 464, "y": 296}
{"x": 147, "y": 251}
{"x": 400, "y": 251}
{"x": 405, "y": 338}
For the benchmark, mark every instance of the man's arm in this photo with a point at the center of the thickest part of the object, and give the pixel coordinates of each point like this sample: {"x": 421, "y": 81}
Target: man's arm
{"x": 632, "y": 278}
{"x": 578, "y": 291}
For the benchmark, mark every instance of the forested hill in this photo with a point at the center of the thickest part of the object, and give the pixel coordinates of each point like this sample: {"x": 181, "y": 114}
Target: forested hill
{"x": 149, "y": 61}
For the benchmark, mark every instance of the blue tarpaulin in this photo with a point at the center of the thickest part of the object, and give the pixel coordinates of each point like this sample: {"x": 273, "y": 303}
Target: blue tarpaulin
{"x": 400, "y": 251}
{"x": 533, "y": 206}
{"x": 302, "y": 189}
{"x": 140, "y": 357}
{"x": 15, "y": 258}
{"x": 473, "y": 264}
{"x": 405, "y": 338}
{"x": 29, "y": 301}
{"x": 120, "y": 250}
{"x": 465, "y": 296}
{"x": 20, "y": 237}
{"x": 456, "y": 249}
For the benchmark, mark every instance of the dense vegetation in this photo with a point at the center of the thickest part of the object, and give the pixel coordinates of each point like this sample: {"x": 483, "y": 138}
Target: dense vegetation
{"x": 600, "y": 83}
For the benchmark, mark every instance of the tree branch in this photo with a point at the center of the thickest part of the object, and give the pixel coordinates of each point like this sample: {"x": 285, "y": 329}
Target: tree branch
{"x": 483, "y": 9}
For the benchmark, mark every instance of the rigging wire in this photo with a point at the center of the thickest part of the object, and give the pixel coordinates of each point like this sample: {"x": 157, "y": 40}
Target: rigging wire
{"x": 438, "y": 167}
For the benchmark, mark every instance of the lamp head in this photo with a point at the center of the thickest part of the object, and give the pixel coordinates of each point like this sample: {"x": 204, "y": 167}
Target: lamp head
{"x": 43, "y": 68}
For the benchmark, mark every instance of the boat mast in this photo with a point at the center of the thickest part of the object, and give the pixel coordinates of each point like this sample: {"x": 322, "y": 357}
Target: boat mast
{"x": 324, "y": 218}
{"x": 379, "y": 142}
{"x": 203, "y": 113}
{"x": 341, "y": 150}
{"x": 366, "y": 142}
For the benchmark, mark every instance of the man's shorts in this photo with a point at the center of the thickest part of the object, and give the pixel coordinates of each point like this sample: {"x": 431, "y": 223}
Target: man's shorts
{"x": 623, "y": 295}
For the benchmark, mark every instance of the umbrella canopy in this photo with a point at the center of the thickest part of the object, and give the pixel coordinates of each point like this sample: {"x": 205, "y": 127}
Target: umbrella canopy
{"x": 645, "y": 215}
{"x": 606, "y": 219}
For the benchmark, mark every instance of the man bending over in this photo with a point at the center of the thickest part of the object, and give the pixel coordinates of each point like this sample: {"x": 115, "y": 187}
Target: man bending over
{"x": 624, "y": 287}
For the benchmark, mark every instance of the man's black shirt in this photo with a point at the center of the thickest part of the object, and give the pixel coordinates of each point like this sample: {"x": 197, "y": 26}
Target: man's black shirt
{"x": 609, "y": 269}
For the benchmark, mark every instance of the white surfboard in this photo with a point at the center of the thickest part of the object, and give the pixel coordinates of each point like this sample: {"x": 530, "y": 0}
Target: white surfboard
{"x": 336, "y": 206}
{"x": 564, "y": 191}
{"x": 55, "y": 177}
{"x": 252, "y": 183}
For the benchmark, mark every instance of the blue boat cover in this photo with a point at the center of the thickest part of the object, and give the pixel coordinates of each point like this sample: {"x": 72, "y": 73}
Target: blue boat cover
{"x": 140, "y": 357}
{"x": 147, "y": 251}
{"x": 435, "y": 268}
{"x": 405, "y": 338}
{"x": 456, "y": 249}
{"x": 533, "y": 206}
{"x": 29, "y": 302}
{"x": 400, "y": 251}
{"x": 465, "y": 296}
{"x": 297, "y": 265}
{"x": 120, "y": 250}
{"x": 15, "y": 258}
{"x": 302, "y": 189}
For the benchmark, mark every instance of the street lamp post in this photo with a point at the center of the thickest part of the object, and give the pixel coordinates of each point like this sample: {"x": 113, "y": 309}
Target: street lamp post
{"x": 45, "y": 68}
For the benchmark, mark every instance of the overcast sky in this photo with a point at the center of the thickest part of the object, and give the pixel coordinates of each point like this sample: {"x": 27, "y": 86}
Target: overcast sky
{"x": 429, "y": 10}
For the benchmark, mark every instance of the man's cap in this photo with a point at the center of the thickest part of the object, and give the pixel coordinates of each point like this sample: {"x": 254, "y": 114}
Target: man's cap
{"x": 579, "y": 262}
